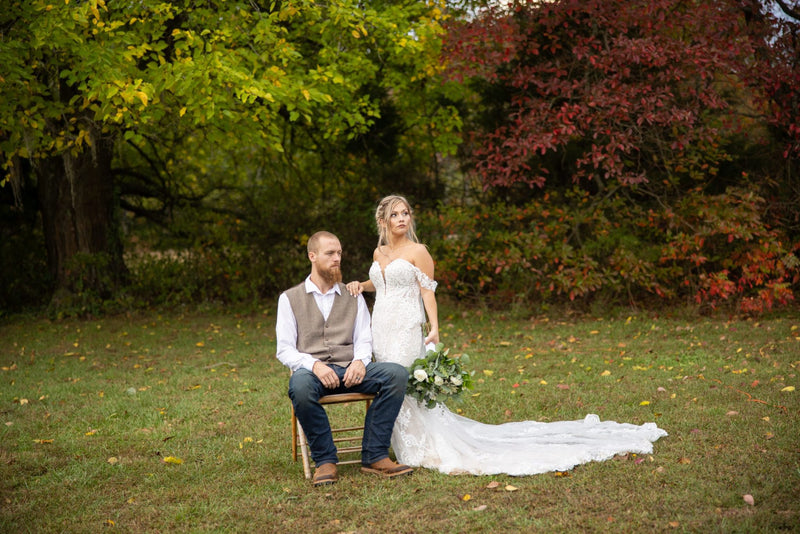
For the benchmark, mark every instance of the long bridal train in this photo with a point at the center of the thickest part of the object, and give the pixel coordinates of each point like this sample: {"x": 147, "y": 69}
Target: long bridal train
{"x": 437, "y": 438}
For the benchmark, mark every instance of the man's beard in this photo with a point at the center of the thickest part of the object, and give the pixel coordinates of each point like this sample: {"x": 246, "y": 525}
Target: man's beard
{"x": 332, "y": 275}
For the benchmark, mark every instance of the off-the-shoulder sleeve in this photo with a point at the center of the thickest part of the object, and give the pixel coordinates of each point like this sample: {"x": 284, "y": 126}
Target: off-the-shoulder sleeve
{"x": 424, "y": 281}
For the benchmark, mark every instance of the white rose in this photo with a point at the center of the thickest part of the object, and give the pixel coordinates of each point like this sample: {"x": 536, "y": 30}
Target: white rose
{"x": 420, "y": 375}
{"x": 438, "y": 381}
{"x": 456, "y": 380}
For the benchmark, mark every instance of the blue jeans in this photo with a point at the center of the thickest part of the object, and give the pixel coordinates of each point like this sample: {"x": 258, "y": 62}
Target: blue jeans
{"x": 386, "y": 380}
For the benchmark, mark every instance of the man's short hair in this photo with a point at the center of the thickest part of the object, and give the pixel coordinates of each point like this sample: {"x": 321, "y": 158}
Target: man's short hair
{"x": 313, "y": 241}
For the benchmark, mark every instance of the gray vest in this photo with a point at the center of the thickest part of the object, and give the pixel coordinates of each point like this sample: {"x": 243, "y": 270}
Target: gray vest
{"x": 329, "y": 341}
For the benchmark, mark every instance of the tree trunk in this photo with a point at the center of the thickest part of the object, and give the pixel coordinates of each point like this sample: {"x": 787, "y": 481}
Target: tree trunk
{"x": 76, "y": 195}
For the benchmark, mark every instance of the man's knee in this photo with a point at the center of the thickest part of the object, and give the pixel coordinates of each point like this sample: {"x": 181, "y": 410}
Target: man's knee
{"x": 302, "y": 386}
{"x": 396, "y": 375}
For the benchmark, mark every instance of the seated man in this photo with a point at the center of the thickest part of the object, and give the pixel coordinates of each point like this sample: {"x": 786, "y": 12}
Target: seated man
{"x": 323, "y": 336}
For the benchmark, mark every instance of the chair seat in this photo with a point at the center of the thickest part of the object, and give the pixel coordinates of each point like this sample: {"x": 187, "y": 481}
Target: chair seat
{"x": 355, "y": 433}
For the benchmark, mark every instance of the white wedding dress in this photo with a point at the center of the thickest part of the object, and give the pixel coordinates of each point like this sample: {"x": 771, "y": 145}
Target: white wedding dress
{"x": 437, "y": 438}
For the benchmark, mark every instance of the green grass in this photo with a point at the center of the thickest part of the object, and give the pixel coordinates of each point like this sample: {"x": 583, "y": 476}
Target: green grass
{"x": 90, "y": 409}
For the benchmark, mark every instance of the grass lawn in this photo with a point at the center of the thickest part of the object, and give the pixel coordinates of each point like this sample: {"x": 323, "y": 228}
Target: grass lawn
{"x": 180, "y": 423}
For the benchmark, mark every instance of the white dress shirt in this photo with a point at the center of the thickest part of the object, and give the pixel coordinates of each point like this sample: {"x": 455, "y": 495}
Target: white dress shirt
{"x": 286, "y": 329}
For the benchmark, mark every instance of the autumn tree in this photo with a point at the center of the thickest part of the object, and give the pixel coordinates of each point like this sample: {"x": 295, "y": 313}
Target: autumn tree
{"x": 637, "y": 119}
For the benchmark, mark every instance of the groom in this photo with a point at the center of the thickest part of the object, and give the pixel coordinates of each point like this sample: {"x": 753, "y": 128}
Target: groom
{"x": 324, "y": 337}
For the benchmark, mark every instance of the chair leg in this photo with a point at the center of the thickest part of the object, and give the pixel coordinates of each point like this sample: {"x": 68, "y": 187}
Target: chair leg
{"x": 294, "y": 436}
{"x": 301, "y": 436}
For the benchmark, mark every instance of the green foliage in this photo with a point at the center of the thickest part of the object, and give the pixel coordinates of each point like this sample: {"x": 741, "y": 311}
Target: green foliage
{"x": 713, "y": 250}
{"x": 294, "y": 113}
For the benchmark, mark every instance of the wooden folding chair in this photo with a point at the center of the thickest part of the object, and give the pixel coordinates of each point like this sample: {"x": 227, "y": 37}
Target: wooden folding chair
{"x": 349, "y": 434}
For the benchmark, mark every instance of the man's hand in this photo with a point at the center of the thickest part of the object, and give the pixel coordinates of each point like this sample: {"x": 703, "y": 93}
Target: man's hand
{"x": 355, "y": 373}
{"x": 326, "y": 375}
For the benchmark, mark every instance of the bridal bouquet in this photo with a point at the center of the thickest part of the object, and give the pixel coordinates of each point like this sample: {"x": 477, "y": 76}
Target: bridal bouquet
{"x": 438, "y": 377}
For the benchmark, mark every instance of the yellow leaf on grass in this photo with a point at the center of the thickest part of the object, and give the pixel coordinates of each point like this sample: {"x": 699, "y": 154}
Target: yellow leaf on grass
{"x": 466, "y": 497}
{"x": 113, "y": 460}
{"x": 644, "y": 403}
{"x": 43, "y": 441}
{"x": 788, "y": 388}
{"x": 511, "y": 488}
{"x": 605, "y": 373}
{"x": 487, "y": 372}
{"x": 173, "y": 460}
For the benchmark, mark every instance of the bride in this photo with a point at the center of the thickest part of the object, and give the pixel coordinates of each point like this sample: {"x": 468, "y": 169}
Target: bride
{"x": 402, "y": 278}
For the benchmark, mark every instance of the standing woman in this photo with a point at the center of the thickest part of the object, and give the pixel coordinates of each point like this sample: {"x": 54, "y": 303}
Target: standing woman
{"x": 403, "y": 268}
{"x": 401, "y": 276}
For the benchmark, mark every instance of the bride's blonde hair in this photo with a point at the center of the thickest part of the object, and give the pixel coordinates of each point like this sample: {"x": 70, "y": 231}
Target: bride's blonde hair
{"x": 384, "y": 211}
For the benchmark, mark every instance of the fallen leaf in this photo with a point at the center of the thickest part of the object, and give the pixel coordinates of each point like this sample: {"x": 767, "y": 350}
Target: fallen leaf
{"x": 644, "y": 403}
{"x": 684, "y": 460}
{"x": 493, "y": 484}
{"x": 466, "y": 497}
{"x": 674, "y": 524}
{"x": 113, "y": 460}
{"x": 562, "y": 473}
{"x": 488, "y": 372}
{"x": 480, "y": 508}
{"x": 749, "y": 499}
{"x": 605, "y": 373}
{"x": 562, "y": 386}
{"x": 172, "y": 460}
{"x": 511, "y": 488}
{"x": 43, "y": 441}
{"x": 732, "y": 413}
{"x": 661, "y": 389}
{"x": 788, "y": 388}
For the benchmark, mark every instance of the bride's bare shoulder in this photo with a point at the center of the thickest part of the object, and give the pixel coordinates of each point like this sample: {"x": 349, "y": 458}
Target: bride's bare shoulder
{"x": 420, "y": 251}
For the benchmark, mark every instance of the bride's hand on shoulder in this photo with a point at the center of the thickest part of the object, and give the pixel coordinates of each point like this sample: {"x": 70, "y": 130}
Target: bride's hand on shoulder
{"x": 355, "y": 288}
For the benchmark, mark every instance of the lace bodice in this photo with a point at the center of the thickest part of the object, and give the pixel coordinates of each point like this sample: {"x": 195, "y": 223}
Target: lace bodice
{"x": 398, "y": 315}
